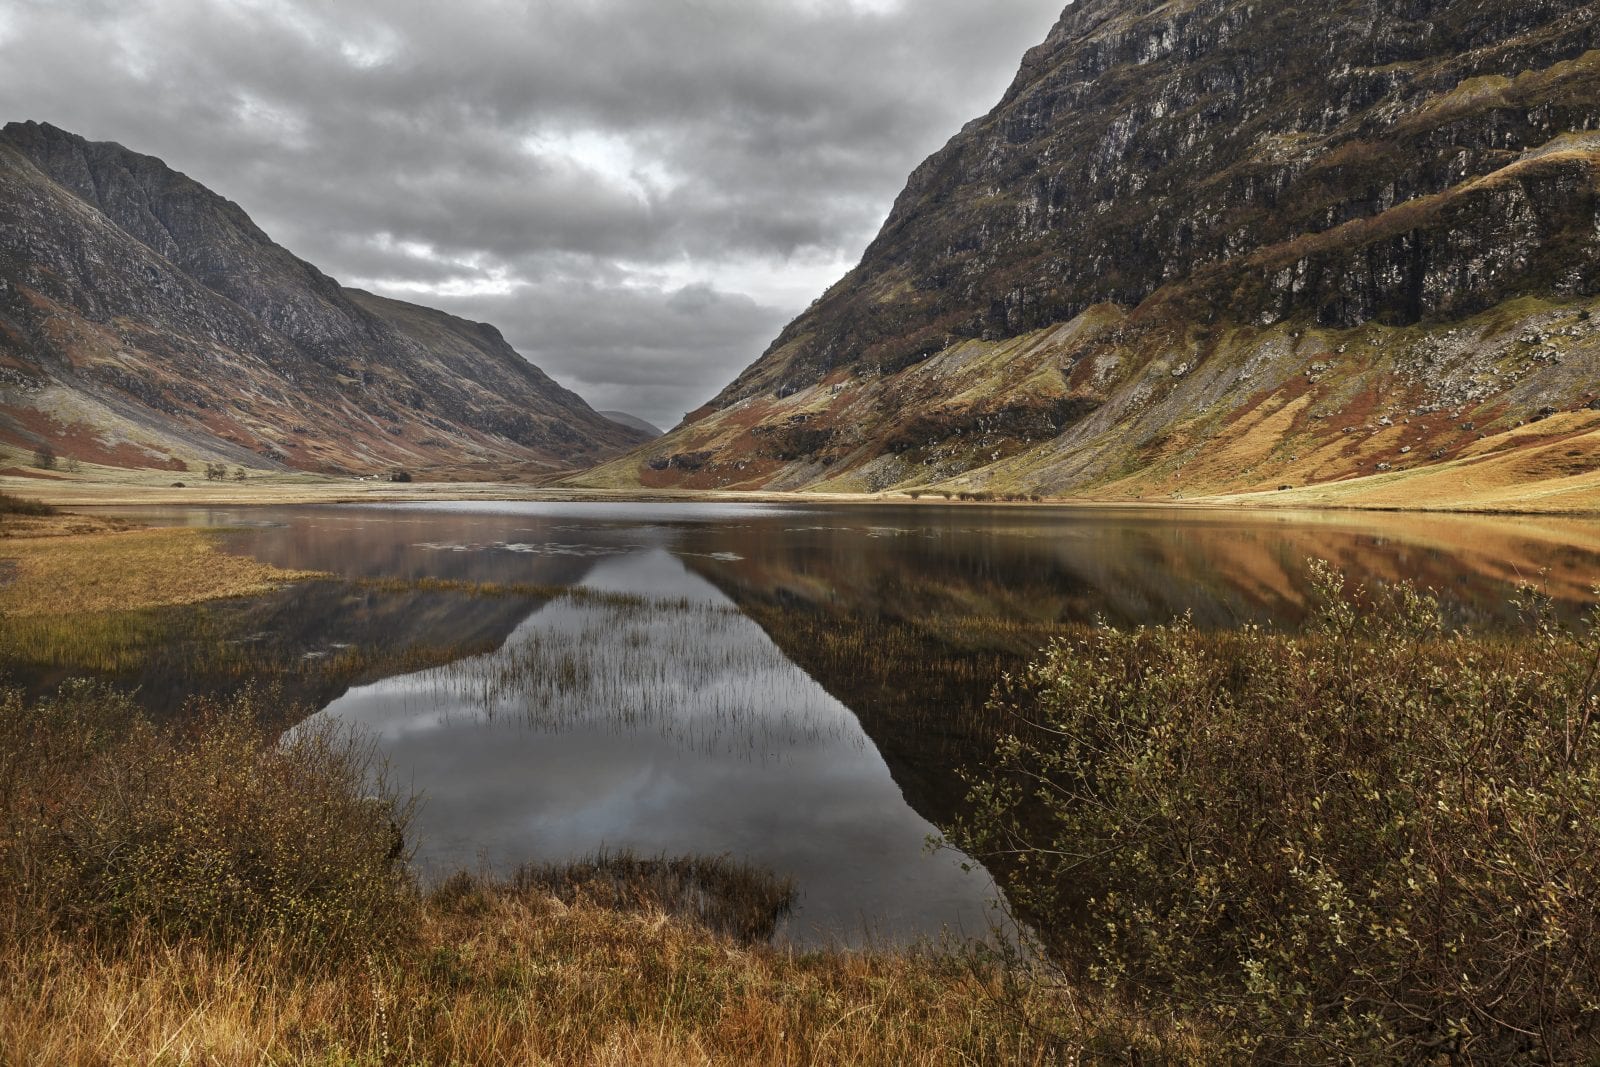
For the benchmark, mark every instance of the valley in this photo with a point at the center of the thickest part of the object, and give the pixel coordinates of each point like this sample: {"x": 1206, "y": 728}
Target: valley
{"x": 1146, "y": 609}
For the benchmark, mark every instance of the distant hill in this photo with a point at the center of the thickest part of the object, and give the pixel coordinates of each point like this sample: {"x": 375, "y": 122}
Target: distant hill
{"x": 634, "y": 421}
{"x": 1210, "y": 246}
{"x": 146, "y": 321}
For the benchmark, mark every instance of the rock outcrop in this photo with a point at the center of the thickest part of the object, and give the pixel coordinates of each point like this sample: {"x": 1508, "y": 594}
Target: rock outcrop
{"x": 1207, "y": 245}
{"x": 146, "y": 321}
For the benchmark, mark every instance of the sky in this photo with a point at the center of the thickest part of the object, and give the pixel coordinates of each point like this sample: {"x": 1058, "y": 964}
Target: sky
{"x": 638, "y": 193}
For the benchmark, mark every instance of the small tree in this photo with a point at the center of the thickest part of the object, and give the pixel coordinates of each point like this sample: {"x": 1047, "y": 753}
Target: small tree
{"x": 238, "y": 474}
{"x": 73, "y": 466}
{"x": 44, "y": 457}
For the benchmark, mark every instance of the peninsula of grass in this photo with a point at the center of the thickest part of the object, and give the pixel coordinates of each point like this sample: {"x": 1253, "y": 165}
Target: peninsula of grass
{"x": 70, "y": 571}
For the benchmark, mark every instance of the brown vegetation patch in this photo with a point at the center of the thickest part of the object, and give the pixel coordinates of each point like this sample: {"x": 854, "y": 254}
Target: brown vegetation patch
{"x": 112, "y": 571}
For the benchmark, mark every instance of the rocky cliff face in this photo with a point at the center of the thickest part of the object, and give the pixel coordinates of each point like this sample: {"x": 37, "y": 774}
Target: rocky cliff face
{"x": 1198, "y": 225}
{"x": 144, "y": 320}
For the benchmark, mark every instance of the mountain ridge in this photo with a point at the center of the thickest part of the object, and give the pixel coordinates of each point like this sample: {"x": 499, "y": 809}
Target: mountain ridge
{"x": 147, "y": 321}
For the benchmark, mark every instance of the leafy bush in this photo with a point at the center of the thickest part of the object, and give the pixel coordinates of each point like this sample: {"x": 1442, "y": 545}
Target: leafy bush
{"x": 205, "y": 830}
{"x": 1375, "y": 840}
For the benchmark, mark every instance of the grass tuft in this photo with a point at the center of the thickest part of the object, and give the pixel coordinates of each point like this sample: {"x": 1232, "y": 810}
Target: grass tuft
{"x": 734, "y": 899}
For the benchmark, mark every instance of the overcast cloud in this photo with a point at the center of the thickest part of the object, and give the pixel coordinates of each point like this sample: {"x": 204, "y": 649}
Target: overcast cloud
{"x": 639, "y": 193}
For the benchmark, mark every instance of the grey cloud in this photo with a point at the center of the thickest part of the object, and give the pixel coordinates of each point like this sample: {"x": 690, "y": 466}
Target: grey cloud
{"x": 649, "y": 352}
{"x": 566, "y": 148}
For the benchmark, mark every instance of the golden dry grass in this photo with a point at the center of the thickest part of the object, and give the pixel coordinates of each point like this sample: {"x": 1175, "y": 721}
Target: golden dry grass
{"x": 111, "y": 570}
{"x": 1517, "y": 481}
{"x": 63, "y": 524}
{"x": 144, "y": 491}
{"x": 1550, "y": 467}
{"x": 503, "y": 978}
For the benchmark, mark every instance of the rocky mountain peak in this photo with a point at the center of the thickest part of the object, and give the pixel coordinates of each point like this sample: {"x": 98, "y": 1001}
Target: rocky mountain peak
{"x": 144, "y": 317}
{"x": 1159, "y": 176}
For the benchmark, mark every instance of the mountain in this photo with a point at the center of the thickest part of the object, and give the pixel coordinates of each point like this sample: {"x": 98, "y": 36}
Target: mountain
{"x": 146, "y": 321}
{"x": 633, "y": 421}
{"x": 1207, "y": 246}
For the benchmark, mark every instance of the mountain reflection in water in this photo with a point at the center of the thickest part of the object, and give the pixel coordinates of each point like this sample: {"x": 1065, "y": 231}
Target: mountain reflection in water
{"x": 665, "y": 725}
{"x": 801, "y": 685}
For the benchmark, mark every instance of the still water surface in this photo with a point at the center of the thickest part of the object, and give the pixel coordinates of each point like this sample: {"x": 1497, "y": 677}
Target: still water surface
{"x": 720, "y": 679}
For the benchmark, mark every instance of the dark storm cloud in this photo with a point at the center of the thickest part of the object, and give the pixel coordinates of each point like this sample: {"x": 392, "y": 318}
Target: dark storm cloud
{"x": 580, "y": 171}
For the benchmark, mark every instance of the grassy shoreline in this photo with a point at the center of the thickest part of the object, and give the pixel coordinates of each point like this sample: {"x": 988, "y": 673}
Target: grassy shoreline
{"x": 128, "y": 570}
{"x": 1379, "y": 494}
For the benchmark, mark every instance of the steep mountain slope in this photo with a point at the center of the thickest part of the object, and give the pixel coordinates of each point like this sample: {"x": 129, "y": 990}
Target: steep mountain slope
{"x": 145, "y": 320}
{"x": 1208, "y": 245}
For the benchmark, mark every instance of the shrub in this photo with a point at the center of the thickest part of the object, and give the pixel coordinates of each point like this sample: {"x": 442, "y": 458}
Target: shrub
{"x": 206, "y": 830}
{"x": 16, "y": 505}
{"x": 1375, "y": 840}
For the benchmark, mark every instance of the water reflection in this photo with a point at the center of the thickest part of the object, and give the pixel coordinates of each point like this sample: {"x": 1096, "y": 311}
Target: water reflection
{"x": 1130, "y": 566}
{"x": 798, "y": 685}
{"x": 666, "y": 724}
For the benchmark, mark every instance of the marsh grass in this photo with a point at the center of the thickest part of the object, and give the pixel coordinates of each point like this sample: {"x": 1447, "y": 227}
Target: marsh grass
{"x": 198, "y": 649}
{"x": 519, "y": 590}
{"x": 127, "y": 570}
{"x": 700, "y": 675}
{"x": 733, "y": 899}
{"x": 510, "y": 977}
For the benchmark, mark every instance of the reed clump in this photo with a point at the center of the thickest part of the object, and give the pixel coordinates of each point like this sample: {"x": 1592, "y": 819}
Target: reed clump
{"x": 734, "y": 899}
{"x": 1373, "y": 841}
